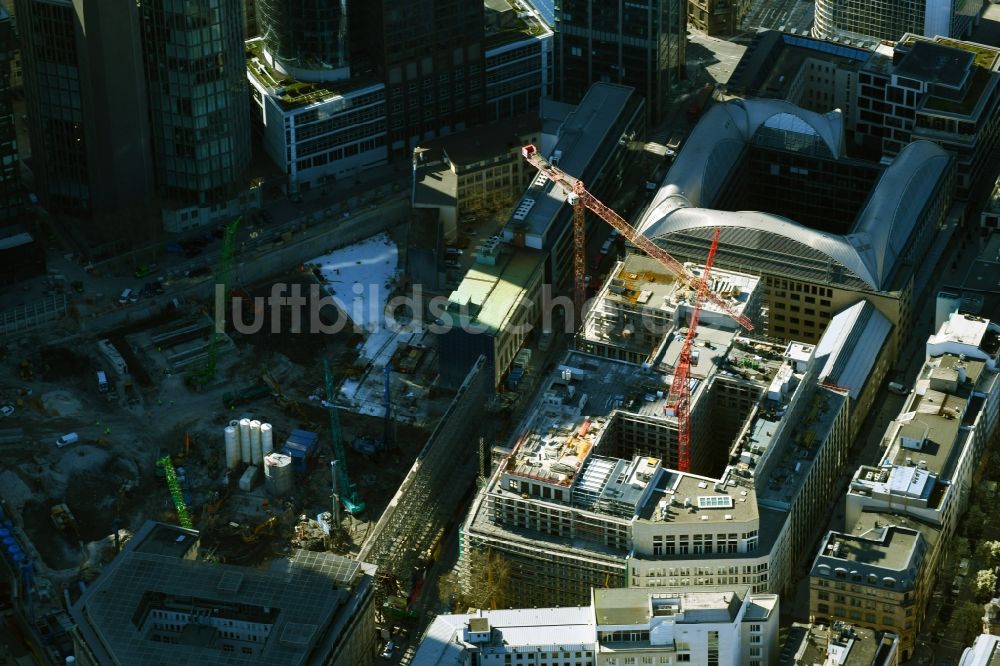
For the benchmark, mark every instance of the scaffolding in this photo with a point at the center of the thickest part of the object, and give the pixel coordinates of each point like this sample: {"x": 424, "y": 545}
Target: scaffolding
{"x": 409, "y": 532}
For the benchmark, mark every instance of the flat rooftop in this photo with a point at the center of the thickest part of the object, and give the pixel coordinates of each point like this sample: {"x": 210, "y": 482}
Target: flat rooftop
{"x": 581, "y": 136}
{"x": 881, "y": 551}
{"x": 298, "y": 598}
{"x": 936, "y": 64}
{"x": 927, "y": 436}
{"x": 680, "y": 497}
{"x": 640, "y": 605}
{"x": 489, "y": 293}
{"x": 485, "y": 142}
{"x": 966, "y": 329}
{"x": 294, "y": 94}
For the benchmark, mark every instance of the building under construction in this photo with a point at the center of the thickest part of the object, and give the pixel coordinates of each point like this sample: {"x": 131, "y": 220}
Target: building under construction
{"x": 590, "y": 494}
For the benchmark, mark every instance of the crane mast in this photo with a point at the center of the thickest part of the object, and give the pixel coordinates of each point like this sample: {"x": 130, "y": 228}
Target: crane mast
{"x": 578, "y": 197}
{"x": 581, "y": 199}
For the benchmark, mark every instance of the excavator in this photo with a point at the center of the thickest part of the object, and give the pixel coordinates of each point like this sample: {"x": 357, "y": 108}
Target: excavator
{"x": 251, "y": 536}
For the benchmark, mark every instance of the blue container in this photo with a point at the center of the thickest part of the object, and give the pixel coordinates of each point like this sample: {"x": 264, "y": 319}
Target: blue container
{"x": 19, "y": 559}
{"x": 9, "y": 540}
{"x": 4, "y": 533}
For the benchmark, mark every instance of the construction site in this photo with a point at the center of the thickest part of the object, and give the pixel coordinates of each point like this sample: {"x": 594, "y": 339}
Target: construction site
{"x": 263, "y": 440}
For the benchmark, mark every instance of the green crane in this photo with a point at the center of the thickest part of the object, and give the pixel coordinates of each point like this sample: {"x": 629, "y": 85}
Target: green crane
{"x": 349, "y": 496}
{"x": 206, "y": 373}
{"x": 176, "y": 492}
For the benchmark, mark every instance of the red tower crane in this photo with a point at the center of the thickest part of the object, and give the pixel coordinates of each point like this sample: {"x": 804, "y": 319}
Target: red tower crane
{"x": 581, "y": 199}
{"x": 680, "y": 391}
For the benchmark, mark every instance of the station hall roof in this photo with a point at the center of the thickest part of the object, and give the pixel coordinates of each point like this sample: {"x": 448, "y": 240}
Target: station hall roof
{"x": 880, "y": 233}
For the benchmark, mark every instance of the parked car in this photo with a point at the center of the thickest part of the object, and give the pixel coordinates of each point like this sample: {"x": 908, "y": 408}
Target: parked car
{"x": 67, "y": 439}
{"x": 6, "y": 410}
{"x": 390, "y": 647}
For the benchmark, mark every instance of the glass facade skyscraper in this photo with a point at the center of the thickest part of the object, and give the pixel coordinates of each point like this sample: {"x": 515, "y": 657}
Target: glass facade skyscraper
{"x": 10, "y": 191}
{"x": 306, "y": 38}
{"x": 198, "y": 98}
{"x": 639, "y": 43}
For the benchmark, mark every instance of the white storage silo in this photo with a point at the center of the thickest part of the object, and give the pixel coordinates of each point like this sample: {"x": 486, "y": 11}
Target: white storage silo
{"x": 255, "y": 447}
{"x": 279, "y": 479}
{"x": 266, "y": 439}
{"x": 232, "y": 447}
{"x": 245, "y": 440}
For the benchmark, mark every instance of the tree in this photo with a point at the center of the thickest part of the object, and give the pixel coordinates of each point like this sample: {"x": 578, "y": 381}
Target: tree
{"x": 989, "y": 553}
{"x": 967, "y": 622}
{"x": 986, "y": 582}
{"x": 975, "y": 518}
{"x": 484, "y": 583}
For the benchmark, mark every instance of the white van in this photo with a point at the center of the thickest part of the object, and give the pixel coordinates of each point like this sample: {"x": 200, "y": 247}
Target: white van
{"x": 67, "y": 439}
{"x": 126, "y": 295}
{"x": 102, "y": 381}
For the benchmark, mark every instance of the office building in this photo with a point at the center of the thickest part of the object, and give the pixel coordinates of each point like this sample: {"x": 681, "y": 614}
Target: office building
{"x": 589, "y": 495}
{"x": 479, "y": 171}
{"x": 912, "y": 501}
{"x": 814, "y": 74}
{"x": 305, "y": 39}
{"x": 592, "y": 144}
{"x": 316, "y": 132}
{"x": 157, "y": 603}
{"x": 839, "y": 644}
{"x": 722, "y": 625}
{"x": 940, "y": 90}
{"x": 833, "y": 230}
{"x": 11, "y": 198}
{"x": 889, "y": 20}
{"x": 641, "y": 45}
{"x": 431, "y": 58}
{"x": 717, "y": 17}
{"x": 519, "y": 63}
{"x": 199, "y": 111}
{"x": 492, "y": 312}
{"x": 87, "y": 105}
{"x": 971, "y": 290}
{"x": 985, "y": 651}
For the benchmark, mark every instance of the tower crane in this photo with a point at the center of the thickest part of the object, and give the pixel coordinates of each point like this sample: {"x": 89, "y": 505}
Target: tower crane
{"x": 206, "y": 373}
{"x": 680, "y": 391}
{"x": 581, "y": 199}
{"x": 349, "y": 496}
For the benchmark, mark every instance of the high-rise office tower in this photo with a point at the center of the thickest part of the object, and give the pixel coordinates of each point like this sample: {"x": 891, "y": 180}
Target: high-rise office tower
{"x": 198, "y": 105}
{"x": 639, "y": 44}
{"x": 889, "y": 20}
{"x": 10, "y": 191}
{"x": 431, "y": 56}
{"x": 86, "y": 104}
{"x": 305, "y": 38}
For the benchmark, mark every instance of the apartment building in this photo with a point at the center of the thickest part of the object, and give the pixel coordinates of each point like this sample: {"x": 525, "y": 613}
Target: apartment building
{"x": 726, "y": 625}
{"x": 880, "y": 576}
{"x": 941, "y": 90}
{"x": 856, "y": 239}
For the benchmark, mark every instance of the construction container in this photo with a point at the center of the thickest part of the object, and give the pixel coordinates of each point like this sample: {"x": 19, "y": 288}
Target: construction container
{"x": 245, "y": 440}
{"x": 256, "y": 457}
{"x": 249, "y": 479}
{"x": 279, "y": 477}
{"x": 232, "y": 447}
{"x": 301, "y": 446}
{"x": 266, "y": 439}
